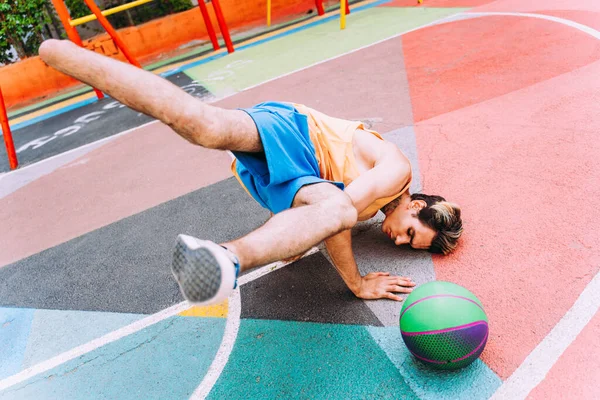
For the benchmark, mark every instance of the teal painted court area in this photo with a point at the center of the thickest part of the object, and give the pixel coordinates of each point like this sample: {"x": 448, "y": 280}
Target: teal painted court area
{"x": 288, "y": 359}
{"x": 494, "y": 103}
{"x": 476, "y": 381}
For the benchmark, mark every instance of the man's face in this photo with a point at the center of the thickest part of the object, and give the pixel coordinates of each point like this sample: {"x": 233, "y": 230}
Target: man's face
{"x": 404, "y": 227}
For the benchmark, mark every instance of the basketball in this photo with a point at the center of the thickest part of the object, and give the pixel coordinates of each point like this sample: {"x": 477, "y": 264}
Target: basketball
{"x": 444, "y": 325}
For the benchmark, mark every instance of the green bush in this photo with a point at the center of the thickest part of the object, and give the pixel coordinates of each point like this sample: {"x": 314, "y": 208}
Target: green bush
{"x": 21, "y": 24}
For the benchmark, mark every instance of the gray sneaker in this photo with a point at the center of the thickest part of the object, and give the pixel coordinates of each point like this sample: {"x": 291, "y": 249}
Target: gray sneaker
{"x": 205, "y": 271}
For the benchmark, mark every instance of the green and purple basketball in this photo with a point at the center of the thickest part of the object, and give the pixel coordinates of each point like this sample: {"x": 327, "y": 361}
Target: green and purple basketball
{"x": 444, "y": 325}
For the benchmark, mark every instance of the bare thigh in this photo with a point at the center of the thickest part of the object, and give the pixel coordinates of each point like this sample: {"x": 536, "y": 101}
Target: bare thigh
{"x": 315, "y": 193}
{"x": 225, "y": 129}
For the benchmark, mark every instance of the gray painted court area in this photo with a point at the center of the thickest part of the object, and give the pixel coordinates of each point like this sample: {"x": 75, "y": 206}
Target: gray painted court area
{"x": 125, "y": 266}
{"x": 309, "y": 290}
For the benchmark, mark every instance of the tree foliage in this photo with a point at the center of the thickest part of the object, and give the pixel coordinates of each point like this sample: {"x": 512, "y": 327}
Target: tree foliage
{"x": 77, "y": 8}
{"x": 24, "y": 22}
{"x": 21, "y": 24}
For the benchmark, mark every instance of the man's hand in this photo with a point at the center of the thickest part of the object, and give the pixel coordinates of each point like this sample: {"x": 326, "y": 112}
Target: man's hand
{"x": 380, "y": 285}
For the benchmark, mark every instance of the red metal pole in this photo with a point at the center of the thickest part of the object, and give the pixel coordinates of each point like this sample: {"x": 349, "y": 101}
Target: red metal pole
{"x": 63, "y": 14}
{"x": 209, "y": 25}
{"x": 8, "y": 141}
{"x": 111, "y": 31}
{"x": 320, "y": 9}
{"x": 222, "y": 25}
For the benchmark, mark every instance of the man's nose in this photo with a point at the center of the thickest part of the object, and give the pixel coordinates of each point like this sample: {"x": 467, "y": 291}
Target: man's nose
{"x": 402, "y": 239}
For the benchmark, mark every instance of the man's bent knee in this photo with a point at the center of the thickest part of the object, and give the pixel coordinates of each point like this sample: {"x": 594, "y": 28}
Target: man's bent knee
{"x": 341, "y": 211}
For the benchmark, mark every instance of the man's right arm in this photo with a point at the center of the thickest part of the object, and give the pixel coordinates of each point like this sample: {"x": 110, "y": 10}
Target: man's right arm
{"x": 375, "y": 285}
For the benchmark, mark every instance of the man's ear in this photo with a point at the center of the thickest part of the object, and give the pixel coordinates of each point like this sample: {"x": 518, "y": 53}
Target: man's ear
{"x": 417, "y": 205}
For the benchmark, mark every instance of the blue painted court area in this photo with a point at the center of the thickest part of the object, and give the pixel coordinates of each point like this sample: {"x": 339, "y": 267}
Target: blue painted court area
{"x": 164, "y": 361}
{"x": 15, "y": 325}
{"x": 288, "y": 359}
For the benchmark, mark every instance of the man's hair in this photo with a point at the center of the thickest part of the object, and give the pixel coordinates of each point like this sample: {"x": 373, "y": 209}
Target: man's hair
{"x": 444, "y": 218}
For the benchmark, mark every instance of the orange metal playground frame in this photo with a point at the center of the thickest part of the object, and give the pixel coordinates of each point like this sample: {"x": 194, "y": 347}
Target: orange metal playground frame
{"x": 8, "y": 141}
{"x": 69, "y": 25}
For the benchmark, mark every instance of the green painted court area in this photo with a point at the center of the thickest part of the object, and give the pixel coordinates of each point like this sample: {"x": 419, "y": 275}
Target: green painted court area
{"x": 284, "y": 55}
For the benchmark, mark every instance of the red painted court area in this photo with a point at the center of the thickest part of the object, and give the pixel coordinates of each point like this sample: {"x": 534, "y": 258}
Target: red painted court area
{"x": 506, "y": 125}
{"x": 455, "y": 65}
{"x": 577, "y": 370}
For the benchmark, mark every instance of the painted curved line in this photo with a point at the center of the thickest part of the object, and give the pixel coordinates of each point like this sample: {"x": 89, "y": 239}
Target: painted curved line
{"x": 454, "y": 328}
{"x": 229, "y": 337}
{"x": 583, "y": 28}
{"x": 224, "y": 349}
{"x": 232, "y": 327}
{"x": 441, "y": 295}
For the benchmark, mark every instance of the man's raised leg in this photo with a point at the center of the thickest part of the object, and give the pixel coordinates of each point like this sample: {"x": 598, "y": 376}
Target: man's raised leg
{"x": 195, "y": 121}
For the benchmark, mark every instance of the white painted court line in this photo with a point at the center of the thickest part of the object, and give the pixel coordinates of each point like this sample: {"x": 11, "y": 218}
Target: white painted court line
{"x": 397, "y": 35}
{"x": 222, "y": 356}
{"x": 249, "y": 277}
{"x": 568, "y": 22}
{"x": 224, "y": 350}
{"x": 539, "y": 362}
{"x": 232, "y": 327}
{"x": 92, "y": 345}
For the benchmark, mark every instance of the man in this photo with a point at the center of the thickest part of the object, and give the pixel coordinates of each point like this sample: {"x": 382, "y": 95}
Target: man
{"x": 317, "y": 174}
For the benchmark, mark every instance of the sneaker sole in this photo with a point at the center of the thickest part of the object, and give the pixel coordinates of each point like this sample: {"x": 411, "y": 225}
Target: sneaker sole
{"x": 197, "y": 272}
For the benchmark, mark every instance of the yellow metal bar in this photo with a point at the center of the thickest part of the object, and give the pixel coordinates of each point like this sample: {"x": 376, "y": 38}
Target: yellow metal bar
{"x": 110, "y": 11}
{"x": 268, "y": 12}
{"x": 343, "y": 14}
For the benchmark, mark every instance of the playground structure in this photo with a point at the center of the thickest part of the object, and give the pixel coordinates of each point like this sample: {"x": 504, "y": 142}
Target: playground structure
{"x": 344, "y": 10}
{"x": 70, "y": 24}
{"x": 8, "y": 141}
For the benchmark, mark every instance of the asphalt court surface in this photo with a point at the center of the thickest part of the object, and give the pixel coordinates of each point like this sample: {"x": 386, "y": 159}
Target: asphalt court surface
{"x": 84, "y": 125}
